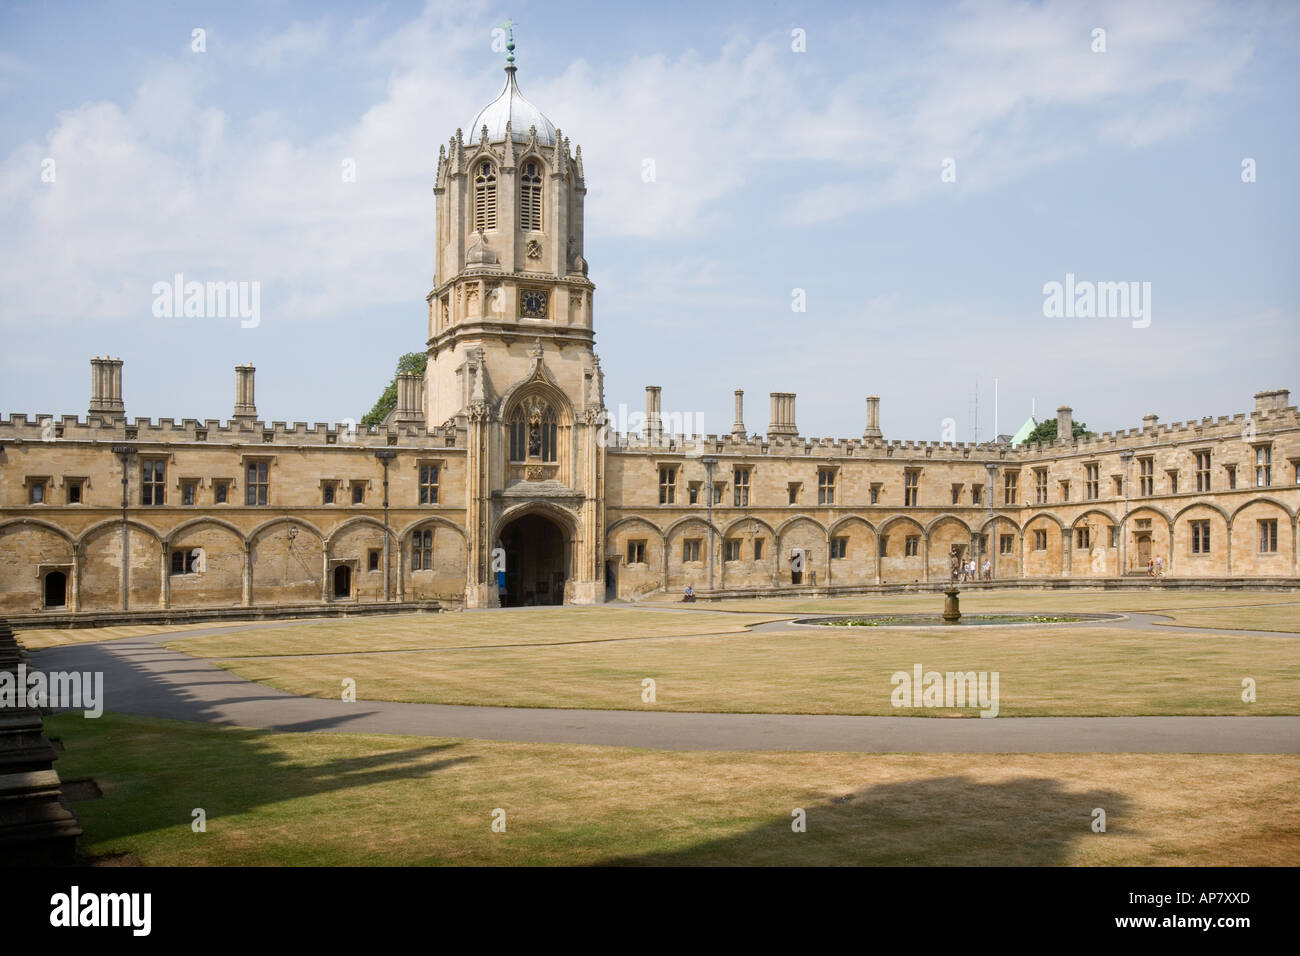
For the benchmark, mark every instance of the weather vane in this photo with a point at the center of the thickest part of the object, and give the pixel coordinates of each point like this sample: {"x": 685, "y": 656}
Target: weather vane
{"x": 509, "y": 27}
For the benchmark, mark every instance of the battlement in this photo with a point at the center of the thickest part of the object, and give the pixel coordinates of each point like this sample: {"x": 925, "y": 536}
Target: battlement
{"x": 19, "y": 427}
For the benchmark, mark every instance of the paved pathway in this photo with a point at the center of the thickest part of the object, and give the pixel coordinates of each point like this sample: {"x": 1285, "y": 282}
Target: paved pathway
{"x": 142, "y": 677}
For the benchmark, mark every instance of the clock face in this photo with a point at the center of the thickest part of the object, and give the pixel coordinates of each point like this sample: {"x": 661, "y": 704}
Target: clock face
{"x": 533, "y": 304}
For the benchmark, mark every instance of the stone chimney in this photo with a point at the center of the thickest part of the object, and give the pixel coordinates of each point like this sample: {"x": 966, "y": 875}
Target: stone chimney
{"x": 410, "y": 399}
{"x": 738, "y": 426}
{"x": 1271, "y": 401}
{"x": 106, "y": 387}
{"x": 1065, "y": 423}
{"x": 654, "y": 426}
{"x": 782, "y": 415}
{"x": 873, "y": 418}
{"x": 245, "y": 401}
{"x": 1149, "y": 421}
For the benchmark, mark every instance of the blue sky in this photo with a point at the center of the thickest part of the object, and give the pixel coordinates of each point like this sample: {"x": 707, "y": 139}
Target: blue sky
{"x": 775, "y": 170}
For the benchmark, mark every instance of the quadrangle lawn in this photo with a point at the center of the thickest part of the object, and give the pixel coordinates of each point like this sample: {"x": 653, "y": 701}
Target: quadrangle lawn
{"x": 342, "y": 799}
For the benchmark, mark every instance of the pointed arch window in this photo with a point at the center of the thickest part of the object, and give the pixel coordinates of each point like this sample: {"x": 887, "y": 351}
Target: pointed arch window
{"x": 485, "y": 197}
{"x": 530, "y": 197}
{"x": 534, "y": 432}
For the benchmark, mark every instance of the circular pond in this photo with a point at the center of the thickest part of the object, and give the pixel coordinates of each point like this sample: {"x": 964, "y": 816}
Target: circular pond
{"x": 967, "y": 620}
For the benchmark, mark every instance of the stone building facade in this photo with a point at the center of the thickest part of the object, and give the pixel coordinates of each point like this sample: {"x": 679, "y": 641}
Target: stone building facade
{"x": 497, "y": 478}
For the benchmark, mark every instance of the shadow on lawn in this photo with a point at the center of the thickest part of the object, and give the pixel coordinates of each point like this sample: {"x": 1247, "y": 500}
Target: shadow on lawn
{"x": 945, "y": 821}
{"x": 154, "y": 775}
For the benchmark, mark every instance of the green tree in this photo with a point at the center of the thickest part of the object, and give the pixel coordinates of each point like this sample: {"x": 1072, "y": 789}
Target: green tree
{"x": 1045, "y": 432}
{"x": 413, "y": 362}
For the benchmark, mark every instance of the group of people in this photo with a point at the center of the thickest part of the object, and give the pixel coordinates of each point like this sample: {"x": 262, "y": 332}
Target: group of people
{"x": 1156, "y": 568}
{"x": 966, "y": 571}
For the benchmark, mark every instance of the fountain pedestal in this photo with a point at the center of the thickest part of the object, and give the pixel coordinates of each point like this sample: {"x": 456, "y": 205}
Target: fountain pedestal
{"x": 951, "y": 609}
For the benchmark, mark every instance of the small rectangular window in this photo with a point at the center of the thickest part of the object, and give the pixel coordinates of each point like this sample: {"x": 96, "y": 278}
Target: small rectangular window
{"x": 839, "y": 547}
{"x": 911, "y": 487}
{"x": 875, "y": 494}
{"x": 912, "y": 545}
{"x": 758, "y": 549}
{"x": 372, "y": 559}
{"x": 1268, "y": 536}
{"x": 691, "y": 549}
{"x": 636, "y": 552}
{"x": 428, "y": 484}
{"x": 328, "y": 493}
{"x": 74, "y": 492}
{"x": 667, "y": 486}
{"x": 152, "y": 483}
{"x": 189, "y": 492}
{"x": 1092, "y": 482}
{"x": 826, "y": 486}
{"x": 1006, "y": 543}
{"x": 358, "y": 492}
{"x": 1010, "y": 486}
{"x": 793, "y": 488}
{"x": 422, "y": 550}
{"x": 740, "y": 478}
{"x": 256, "y": 483}
{"x": 1040, "y": 540}
{"x": 883, "y": 549}
{"x": 732, "y": 549}
{"x": 1200, "y": 537}
{"x": 976, "y": 492}
{"x": 220, "y": 492}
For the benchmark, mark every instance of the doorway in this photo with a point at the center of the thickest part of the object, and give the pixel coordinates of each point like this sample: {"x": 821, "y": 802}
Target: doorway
{"x": 537, "y": 562}
{"x": 342, "y": 581}
{"x": 56, "y": 589}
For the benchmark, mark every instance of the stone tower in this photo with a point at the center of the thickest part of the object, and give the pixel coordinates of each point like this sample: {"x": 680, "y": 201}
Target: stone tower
{"x": 511, "y": 354}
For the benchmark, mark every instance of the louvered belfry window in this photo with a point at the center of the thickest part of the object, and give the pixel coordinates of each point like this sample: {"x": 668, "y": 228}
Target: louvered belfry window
{"x": 485, "y": 197}
{"x": 530, "y": 198}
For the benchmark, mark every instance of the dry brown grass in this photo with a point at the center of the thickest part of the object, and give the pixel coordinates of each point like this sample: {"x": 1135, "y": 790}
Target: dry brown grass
{"x": 341, "y": 799}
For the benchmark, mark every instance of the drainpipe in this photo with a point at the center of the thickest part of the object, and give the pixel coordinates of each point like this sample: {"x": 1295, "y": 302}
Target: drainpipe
{"x": 708, "y": 491}
{"x": 386, "y": 455}
{"x": 126, "y": 452}
{"x": 1125, "y": 456}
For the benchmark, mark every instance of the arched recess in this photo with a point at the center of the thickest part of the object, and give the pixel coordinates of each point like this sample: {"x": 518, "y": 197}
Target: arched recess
{"x": 755, "y": 543}
{"x": 686, "y": 552}
{"x": 853, "y": 560}
{"x": 358, "y": 543}
{"x": 634, "y": 556}
{"x": 1096, "y": 553}
{"x": 287, "y": 563}
{"x": 30, "y": 549}
{"x": 100, "y": 575}
{"x": 1262, "y": 540}
{"x": 948, "y": 538}
{"x": 432, "y": 559}
{"x": 1147, "y": 535}
{"x": 538, "y": 419}
{"x": 204, "y": 564}
{"x": 803, "y": 536}
{"x": 1042, "y": 541}
{"x": 901, "y": 550}
{"x": 1003, "y": 556}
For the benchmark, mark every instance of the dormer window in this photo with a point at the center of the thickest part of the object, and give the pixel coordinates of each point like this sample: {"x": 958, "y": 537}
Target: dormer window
{"x": 530, "y": 197}
{"x": 485, "y": 197}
